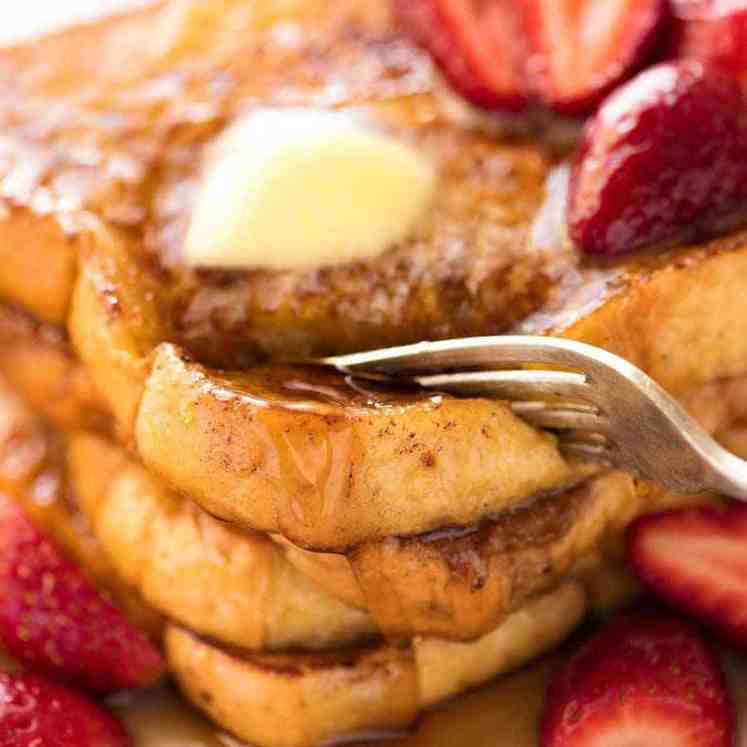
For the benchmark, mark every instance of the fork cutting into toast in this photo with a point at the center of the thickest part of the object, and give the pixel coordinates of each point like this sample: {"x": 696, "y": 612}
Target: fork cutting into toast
{"x": 603, "y": 408}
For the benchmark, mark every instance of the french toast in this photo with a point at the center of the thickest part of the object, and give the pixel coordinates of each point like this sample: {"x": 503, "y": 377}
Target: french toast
{"x": 113, "y": 214}
{"x": 37, "y": 362}
{"x": 284, "y": 699}
{"x": 314, "y": 699}
{"x": 331, "y": 555}
{"x": 233, "y": 587}
{"x": 457, "y": 584}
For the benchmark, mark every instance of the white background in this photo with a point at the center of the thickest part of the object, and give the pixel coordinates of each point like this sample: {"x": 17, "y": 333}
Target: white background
{"x": 24, "y": 18}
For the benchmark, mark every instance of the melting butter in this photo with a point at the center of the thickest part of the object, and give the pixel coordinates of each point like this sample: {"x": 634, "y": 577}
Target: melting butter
{"x": 301, "y": 188}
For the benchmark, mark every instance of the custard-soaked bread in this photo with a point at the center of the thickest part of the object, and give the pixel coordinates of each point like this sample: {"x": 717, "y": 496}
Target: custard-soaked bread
{"x": 294, "y": 701}
{"x": 273, "y": 450}
{"x": 457, "y": 584}
{"x": 301, "y": 452}
{"x": 235, "y": 587}
{"x": 37, "y": 362}
{"x": 270, "y": 699}
{"x": 99, "y": 178}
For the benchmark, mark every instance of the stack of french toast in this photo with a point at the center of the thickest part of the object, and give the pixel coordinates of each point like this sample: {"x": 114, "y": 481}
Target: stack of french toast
{"x": 319, "y": 558}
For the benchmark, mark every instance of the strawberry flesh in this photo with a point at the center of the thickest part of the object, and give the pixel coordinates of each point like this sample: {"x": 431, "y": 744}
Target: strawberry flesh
{"x": 713, "y": 32}
{"x": 696, "y": 561}
{"x": 664, "y": 154}
{"x": 475, "y": 43}
{"x": 581, "y": 49}
{"x": 35, "y": 712}
{"x": 55, "y": 621}
{"x": 645, "y": 679}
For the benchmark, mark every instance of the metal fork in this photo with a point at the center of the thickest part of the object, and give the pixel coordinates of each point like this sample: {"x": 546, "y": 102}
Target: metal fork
{"x": 603, "y": 408}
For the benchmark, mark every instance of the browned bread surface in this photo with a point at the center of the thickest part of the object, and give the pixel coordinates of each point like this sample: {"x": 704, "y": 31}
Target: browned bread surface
{"x": 453, "y": 583}
{"x": 98, "y": 173}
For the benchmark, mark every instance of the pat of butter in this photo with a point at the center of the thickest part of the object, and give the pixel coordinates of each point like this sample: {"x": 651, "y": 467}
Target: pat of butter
{"x": 300, "y": 188}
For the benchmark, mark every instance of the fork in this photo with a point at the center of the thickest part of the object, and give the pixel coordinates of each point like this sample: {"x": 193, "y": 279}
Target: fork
{"x": 603, "y": 408}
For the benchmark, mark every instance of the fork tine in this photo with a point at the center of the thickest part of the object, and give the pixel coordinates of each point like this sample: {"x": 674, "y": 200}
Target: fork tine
{"x": 521, "y": 407}
{"x": 551, "y": 417}
{"x": 585, "y": 437}
{"x": 473, "y": 352}
{"x": 512, "y": 385}
{"x": 586, "y": 451}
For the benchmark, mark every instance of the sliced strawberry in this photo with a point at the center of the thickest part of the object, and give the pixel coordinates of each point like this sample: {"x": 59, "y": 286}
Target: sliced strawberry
{"x": 645, "y": 680}
{"x": 714, "y": 32}
{"x": 696, "y": 561}
{"x": 665, "y": 153}
{"x": 581, "y": 49}
{"x": 476, "y": 43}
{"x": 54, "y": 620}
{"x": 35, "y": 712}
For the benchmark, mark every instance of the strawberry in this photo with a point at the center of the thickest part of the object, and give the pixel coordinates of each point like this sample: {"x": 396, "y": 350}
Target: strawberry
{"x": 54, "y": 620}
{"x": 713, "y": 32}
{"x": 645, "y": 679}
{"x": 696, "y": 561}
{"x": 582, "y": 49}
{"x": 475, "y": 43}
{"x": 35, "y": 712}
{"x": 665, "y": 152}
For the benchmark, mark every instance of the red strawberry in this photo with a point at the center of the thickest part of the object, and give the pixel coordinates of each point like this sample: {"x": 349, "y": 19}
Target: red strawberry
{"x": 476, "y": 44}
{"x": 696, "y": 560}
{"x": 665, "y": 152}
{"x": 35, "y": 712}
{"x": 644, "y": 680}
{"x": 714, "y": 32}
{"x": 54, "y": 620}
{"x": 581, "y": 49}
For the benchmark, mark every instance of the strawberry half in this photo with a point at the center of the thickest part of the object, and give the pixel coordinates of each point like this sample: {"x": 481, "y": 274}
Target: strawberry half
{"x": 582, "y": 49}
{"x": 712, "y": 31}
{"x": 646, "y": 679}
{"x": 35, "y": 712}
{"x": 696, "y": 561}
{"x": 476, "y": 44}
{"x": 665, "y": 153}
{"x": 54, "y": 620}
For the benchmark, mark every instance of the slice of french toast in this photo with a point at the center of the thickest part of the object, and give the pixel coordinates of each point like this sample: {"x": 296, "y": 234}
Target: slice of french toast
{"x": 295, "y": 701}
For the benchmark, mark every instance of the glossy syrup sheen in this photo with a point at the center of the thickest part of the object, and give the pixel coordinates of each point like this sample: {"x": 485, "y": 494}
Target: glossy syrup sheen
{"x": 130, "y": 149}
{"x": 317, "y": 390}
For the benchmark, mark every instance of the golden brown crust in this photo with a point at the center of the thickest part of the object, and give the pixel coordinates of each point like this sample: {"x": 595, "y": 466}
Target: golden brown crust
{"x": 37, "y": 362}
{"x": 235, "y": 587}
{"x": 302, "y": 453}
{"x": 126, "y": 196}
{"x": 460, "y": 585}
{"x": 306, "y": 700}
{"x": 140, "y": 164}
